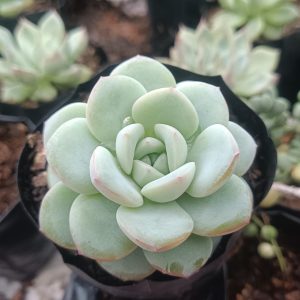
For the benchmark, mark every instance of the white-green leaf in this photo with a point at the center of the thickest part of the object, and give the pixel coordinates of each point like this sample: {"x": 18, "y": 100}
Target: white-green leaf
{"x": 143, "y": 173}
{"x": 208, "y": 101}
{"x": 171, "y": 186}
{"x": 44, "y": 92}
{"x": 149, "y": 72}
{"x": 183, "y": 260}
{"x": 215, "y": 153}
{"x": 155, "y": 226}
{"x": 223, "y": 212}
{"x": 52, "y": 178}
{"x": 166, "y": 106}
{"x": 109, "y": 103}
{"x": 54, "y": 215}
{"x": 69, "y": 151}
{"x": 126, "y": 142}
{"x": 176, "y": 146}
{"x": 66, "y": 113}
{"x": 161, "y": 164}
{"x": 77, "y": 42}
{"x": 132, "y": 267}
{"x": 147, "y": 146}
{"x": 109, "y": 179}
{"x": 95, "y": 230}
{"x": 247, "y": 147}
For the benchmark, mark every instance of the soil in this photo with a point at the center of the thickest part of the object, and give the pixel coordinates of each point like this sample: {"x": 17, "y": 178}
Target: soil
{"x": 251, "y": 277}
{"x": 12, "y": 140}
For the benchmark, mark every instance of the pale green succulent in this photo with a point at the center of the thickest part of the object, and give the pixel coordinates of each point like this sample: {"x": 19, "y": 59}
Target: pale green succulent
{"x": 274, "y": 111}
{"x": 267, "y": 18}
{"x": 11, "y": 8}
{"x": 40, "y": 59}
{"x": 147, "y": 172}
{"x": 218, "y": 50}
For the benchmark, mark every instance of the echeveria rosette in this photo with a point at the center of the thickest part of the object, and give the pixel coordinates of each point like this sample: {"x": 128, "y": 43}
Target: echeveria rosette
{"x": 39, "y": 60}
{"x": 148, "y": 172}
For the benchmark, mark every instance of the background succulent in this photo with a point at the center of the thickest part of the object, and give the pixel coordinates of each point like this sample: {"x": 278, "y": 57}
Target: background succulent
{"x": 218, "y": 50}
{"x": 144, "y": 170}
{"x": 11, "y": 8}
{"x": 40, "y": 59}
{"x": 267, "y": 18}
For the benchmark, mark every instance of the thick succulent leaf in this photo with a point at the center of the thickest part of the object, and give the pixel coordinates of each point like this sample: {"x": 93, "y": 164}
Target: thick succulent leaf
{"x": 54, "y": 215}
{"x": 5, "y": 70}
{"x": 223, "y": 212}
{"x": 149, "y": 72}
{"x": 263, "y": 59}
{"x": 14, "y": 92}
{"x": 52, "y": 31}
{"x": 143, "y": 173}
{"x": 176, "y": 146}
{"x": 183, "y": 260}
{"x": 77, "y": 42}
{"x": 109, "y": 103}
{"x": 44, "y": 92}
{"x": 273, "y": 32}
{"x": 282, "y": 15}
{"x": 66, "y": 113}
{"x": 52, "y": 178}
{"x": 215, "y": 153}
{"x": 147, "y": 146}
{"x": 10, "y": 8}
{"x": 161, "y": 164}
{"x": 146, "y": 159}
{"x": 95, "y": 230}
{"x": 69, "y": 151}
{"x": 126, "y": 142}
{"x": 254, "y": 28}
{"x": 132, "y": 267}
{"x": 247, "y": 147}
{"x": 171, "y": 186}
{"x": 166, "y": 106}
{"x": 208, "y": 101}
{"x": 53, "y": 62}
{"x": 72, "y": 75}
{"x": 109, "y": 179}
{"x": 27, "y": 35}
{"x": 155, "y": 226}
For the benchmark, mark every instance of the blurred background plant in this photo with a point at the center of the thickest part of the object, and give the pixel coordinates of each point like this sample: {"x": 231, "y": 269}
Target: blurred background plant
{"x": 268, "y": 18}
{"x": 11, "y": 8}
{"x": 39, "y": 60}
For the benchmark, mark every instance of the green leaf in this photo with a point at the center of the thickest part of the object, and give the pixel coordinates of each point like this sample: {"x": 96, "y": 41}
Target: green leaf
{"x": 77, "y": 41}
{"x": 69, "y": 151}
{"x": 10, "y": 8}
{"x": 161, "y": 164}
{"x": 44, "y": 92}
{"x": 147, "y": 146}
{"x": 126, "y": 142}
{"x": 109, "y": 103}
{"x": 143, "y": 173}
{"x": 183, "y": 260}
{"x": 171, "y": 186}
{"x": 109, "y": 179}
{"x": 54, "y": 215}
{"x": 175, "y": 144}
{"x": 155, "y": 226}
{"x": 282, "y": 15}
{"x": 14, "y": 92}
{"x": 215, "y": 153}
{"x": 208, "y": 101}
{"x": 166, "y": 106}
{"x": 52, "y": 178}
{"x": 247, "y": 147}
{"x": 223, "y": 212}
{"x": 149, "y": 72}
{"x": 66, "y": 113}
{"x": 132, "y": 267}
{"x": 95, "y": 230}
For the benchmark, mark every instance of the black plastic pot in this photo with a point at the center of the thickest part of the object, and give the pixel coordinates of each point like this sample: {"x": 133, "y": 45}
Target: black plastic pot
{"x": 159, "y": 286}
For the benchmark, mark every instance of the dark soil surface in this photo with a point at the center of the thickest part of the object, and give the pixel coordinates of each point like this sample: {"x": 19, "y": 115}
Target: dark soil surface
{"x": 254, "y": 278}
{"x": 12, "y": 139}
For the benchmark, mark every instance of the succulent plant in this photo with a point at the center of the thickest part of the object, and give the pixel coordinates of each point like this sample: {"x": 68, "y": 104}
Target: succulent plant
{"x": 11, "y": 8}
{"x": 274, "y": 111}
{"x": 148, "y": 172}
{"x": 266, "y": 18}
{"x": 218, "y": 50}
{"x": 40, "y": 59}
